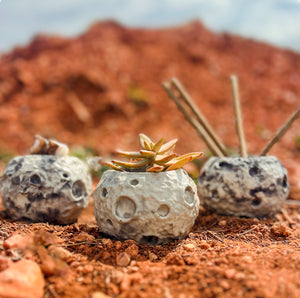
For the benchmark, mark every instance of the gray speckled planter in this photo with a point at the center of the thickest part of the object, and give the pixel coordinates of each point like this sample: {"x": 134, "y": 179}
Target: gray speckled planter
{"x": 147, "y": 207}
{"x": 256, "y": 186}
{"x": 45, "y": 188}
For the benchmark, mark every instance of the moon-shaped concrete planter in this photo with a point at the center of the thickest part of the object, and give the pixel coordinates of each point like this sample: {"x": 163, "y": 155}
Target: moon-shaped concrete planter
{"x": 147, "y": 207}
{"x": 256, "y": 186}
{"x": 46, "y": 188}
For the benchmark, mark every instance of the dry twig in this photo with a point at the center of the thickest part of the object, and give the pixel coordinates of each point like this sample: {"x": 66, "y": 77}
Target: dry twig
{"x": 287, "y": 217}
{"x": 281, "y": 132}
{"x": 215, "y": 236}
{"x": 293, "y": 202}
{"x": 199, "y": 116}
{"x": 78, "y": 107}
{"x": 200, "y": 130}
{"x": 238, "y": 115}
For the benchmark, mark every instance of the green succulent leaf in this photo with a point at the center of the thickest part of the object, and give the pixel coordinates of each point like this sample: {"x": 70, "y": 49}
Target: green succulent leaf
{"x": 156, "y": 168}
{"x": 192, "y": 154}
{"x": 147, "y": 146}
{"x": 131, "y": 165}
{"x": 168, "y": 146}
{"x": 147, "y": 153}
{"x": 164, "y": 158}
{"x": 158, "y": 145}
{"x": 114, "y": 166}
{"x": 145, "y": 142}
{"x": 180, "y": 161}
{"x": 129, "y": 154}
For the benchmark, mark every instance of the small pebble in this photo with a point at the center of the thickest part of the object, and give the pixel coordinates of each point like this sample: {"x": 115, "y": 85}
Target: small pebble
{"x": 17, "y": 241}
{"x": 5, "y": 262}
{"x": 189, "y": 247}
{"x": 128, "y": 279}
{"x": 59, "y": 252}
{"x": 280, "y": 229}
{"x": 83, "y": 237}
{"x": 225, "y": 284}
{"x": 123, "y": 259}
{"x": 87, "y": 269}
{"x": 204, "y": 245}
{"x": 48, "y": 266}
{"x": 240, "y": 276}
{"x": 114, "y": 289}
{"x": 222, "y": 223}
{"x": 87, "y": 280}
{"x": 74, "y": 264}
{"x": 107, "y": 242}
{"x": 152, "y": 256}
{"x": 22, "y": 277}
{"x": 230, "y": 273}
{"x": 105, "y": 255}
{"x": 99, "y": 295}
{"x": 247, "y": 259}
{"x": 190, "y": 260}
{"x": 132, "y": 250}
{"x": 175, "y": 259}
{"x": 118, "y": 244}
{"x": 117, "y": 277}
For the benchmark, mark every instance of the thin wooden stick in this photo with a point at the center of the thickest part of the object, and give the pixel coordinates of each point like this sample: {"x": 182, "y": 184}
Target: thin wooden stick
{"x": 199, "y": 116}
{"x": 78, "y": 107}
{"x": 202, "y": 133}
{"x": 281, "y": 132}
{"x": 292, "y": 202}
{"x": 238, "y": 115}
{"x": 287, "y": 217}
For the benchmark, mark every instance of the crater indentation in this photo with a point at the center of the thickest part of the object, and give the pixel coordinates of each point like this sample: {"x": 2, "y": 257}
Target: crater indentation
{"x": 226, "y": 165}
{"x": 109, "y": 222}
{"x": 163, "y": 210}
{"x": 253, "y": 171}
{"x": 104, "y": 192}
{"x": 284, "y": 181}
{"x": 35, "y": 179}
{"x": 134, "y": 182}
{"x": 78, "y": 189}
{"x": 125, "y": 208}
{"x": 189, "y": 195}
{"x": 256, "y": 202}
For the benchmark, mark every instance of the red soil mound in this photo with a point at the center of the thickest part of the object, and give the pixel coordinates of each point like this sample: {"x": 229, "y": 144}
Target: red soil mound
{"x": 116, "y": 73}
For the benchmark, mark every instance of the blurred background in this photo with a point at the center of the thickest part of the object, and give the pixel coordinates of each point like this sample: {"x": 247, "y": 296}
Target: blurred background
{"x": 273, "y": 21}
{"x": 88, "y": 73}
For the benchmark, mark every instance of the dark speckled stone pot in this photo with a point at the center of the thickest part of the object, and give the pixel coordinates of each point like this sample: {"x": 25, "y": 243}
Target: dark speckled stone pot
{"x": 45, "y": 188}
{"x": 256, "y": 186}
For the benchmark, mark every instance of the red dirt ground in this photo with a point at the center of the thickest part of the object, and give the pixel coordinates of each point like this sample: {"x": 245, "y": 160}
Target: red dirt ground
{"x": 116, "y": 74}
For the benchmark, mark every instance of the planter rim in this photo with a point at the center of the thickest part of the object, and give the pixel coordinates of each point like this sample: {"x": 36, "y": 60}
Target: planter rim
{"x": 49, "y": 155}
{"x": 244, "y": 158}
{"x": 144, "y": 172}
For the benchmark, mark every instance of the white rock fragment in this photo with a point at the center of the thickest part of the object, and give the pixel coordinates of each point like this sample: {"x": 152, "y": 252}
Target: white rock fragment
{"x": 256, "y": 186}
{"x": 46, "y": 188}
{"x": 147, "y": 207}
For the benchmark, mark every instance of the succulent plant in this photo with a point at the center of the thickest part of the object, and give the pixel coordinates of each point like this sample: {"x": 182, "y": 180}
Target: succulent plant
{"x": 153, "y": 157}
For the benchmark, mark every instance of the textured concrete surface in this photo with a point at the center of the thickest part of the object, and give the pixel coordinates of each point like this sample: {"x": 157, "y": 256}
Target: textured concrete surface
{"x": 253, "y": 187}
{"x": 147, "y": 207}
{"x": 45, "y": 188}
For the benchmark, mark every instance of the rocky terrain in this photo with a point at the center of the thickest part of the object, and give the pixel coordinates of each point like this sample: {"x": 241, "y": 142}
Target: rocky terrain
{"x": 98, "y": 91}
